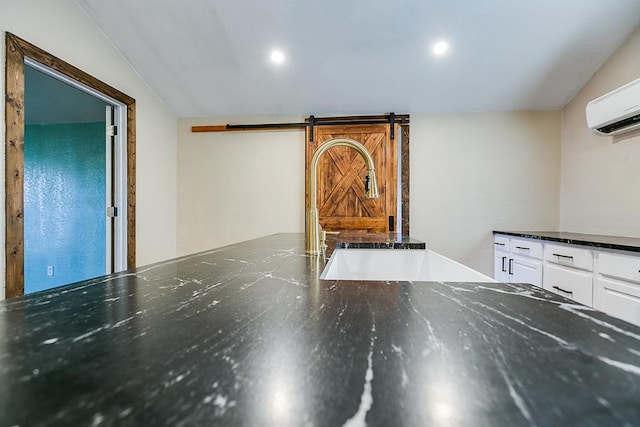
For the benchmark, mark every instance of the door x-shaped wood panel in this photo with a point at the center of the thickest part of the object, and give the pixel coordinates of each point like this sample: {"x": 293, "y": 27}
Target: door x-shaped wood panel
{"x": 341, "y": 172}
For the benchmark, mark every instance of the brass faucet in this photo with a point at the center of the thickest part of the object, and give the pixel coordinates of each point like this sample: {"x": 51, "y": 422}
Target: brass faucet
{"x": 314, "y": 231}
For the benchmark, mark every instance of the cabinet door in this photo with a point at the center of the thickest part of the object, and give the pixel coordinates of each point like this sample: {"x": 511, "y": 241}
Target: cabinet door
{"x": 500, "y": 264}
{"x": 501, "y": 258}
{"x": 525, "y": 270}
{"x": 570, "y": 283}
{"x": 618, "y": 298}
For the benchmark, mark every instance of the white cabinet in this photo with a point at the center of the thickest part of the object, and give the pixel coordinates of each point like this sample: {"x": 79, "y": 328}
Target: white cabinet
{"x": 606, "y": 279}
{"x": 617, "y": 287}
{"x": 568, "y": 271}
{"x": 517, "y": 260}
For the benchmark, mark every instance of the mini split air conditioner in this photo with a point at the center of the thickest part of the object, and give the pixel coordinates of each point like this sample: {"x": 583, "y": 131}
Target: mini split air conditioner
{"x": 616, "y": 112}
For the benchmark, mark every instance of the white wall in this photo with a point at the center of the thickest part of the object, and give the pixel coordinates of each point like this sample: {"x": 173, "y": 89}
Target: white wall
{"x": 63, "y": 30}
{"x": 235, "y": 186}
{"x": 600, "y": 183}
{"x": 474, "y": 173}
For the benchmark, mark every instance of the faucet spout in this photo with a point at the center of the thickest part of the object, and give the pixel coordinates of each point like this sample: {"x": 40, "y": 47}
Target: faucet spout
{"x": 313, "y": 233}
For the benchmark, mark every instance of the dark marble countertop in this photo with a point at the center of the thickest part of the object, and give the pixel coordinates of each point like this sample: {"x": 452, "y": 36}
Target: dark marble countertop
{"x": 249, "y": 335}
{"x": 594, "y": 240}
{"x": 375, "y": 241}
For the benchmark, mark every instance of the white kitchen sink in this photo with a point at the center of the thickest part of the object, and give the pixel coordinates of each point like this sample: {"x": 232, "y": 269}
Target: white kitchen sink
{"x": 397, "y": 265}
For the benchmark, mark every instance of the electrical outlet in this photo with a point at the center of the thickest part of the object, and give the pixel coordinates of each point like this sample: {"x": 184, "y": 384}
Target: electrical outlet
{"x": 49, "y": 270}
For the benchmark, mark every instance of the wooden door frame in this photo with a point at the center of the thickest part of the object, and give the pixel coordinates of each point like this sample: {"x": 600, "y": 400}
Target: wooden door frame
{"x": 403, "y": 174}
{"x": 16, "y": 51}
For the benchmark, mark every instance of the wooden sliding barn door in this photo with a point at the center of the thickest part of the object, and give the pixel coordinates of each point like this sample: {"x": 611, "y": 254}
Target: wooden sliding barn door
{"x": 341, "y": 174}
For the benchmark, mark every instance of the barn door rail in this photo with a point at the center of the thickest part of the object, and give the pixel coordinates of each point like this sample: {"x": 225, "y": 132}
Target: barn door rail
{"x": 311, "y": 122}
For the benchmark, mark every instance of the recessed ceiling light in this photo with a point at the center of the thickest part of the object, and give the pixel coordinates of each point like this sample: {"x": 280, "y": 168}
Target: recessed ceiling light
{"x": 440, "y": 48}
{"x": 277, "y": 56}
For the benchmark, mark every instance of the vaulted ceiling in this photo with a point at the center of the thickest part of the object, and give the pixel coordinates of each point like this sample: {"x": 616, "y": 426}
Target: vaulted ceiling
{"x": 212, "y": 58}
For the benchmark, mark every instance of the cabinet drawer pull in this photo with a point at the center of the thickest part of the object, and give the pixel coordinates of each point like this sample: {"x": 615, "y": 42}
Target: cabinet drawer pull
{"x": 563, "y": 256}
{"x": 562, "y": 290}
{"x": 496, "y": 243}
{"x": 522, "y": 247}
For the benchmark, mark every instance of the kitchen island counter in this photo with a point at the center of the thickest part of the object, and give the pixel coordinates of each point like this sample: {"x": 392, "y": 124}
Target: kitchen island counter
{"x": 249, "y": 335}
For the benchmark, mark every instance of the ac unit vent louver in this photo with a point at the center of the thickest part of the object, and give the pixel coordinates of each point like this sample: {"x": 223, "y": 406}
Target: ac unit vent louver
{"x": 620, "y": 125}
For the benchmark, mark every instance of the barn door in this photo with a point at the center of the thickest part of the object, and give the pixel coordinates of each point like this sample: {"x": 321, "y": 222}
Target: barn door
{"x": 341, "y": 173}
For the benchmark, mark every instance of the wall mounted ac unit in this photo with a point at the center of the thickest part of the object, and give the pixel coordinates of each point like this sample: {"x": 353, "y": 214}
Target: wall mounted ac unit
{"x": 616, "y": 112}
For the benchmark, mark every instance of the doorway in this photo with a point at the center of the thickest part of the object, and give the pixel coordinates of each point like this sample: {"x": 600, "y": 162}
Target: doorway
{"x": 68, "y": 167}
{"x": 119, "y": 195}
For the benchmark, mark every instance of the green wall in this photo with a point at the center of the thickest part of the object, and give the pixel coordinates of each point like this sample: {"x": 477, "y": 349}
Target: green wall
{"x": 64, "y": 203}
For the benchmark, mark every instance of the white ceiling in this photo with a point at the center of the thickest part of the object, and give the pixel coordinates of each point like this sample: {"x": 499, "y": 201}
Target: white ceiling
{"x": 211, "y": 57}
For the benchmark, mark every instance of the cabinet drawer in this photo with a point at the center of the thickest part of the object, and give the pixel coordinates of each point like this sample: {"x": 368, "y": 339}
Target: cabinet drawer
{"x": 570, "y": 283}
{"x": 569, "y": 256}
{"x": 617, "y": 265}
{"x": 525, "y": 247}
{"x": 501, "y": 243}
{"x": 618, "y": 299}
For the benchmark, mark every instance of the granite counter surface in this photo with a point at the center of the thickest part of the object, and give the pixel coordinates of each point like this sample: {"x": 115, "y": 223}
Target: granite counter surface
{"x": 248, "y": 335}
{"x": 593, "y": 240}
{"x": 375, "y": 241}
